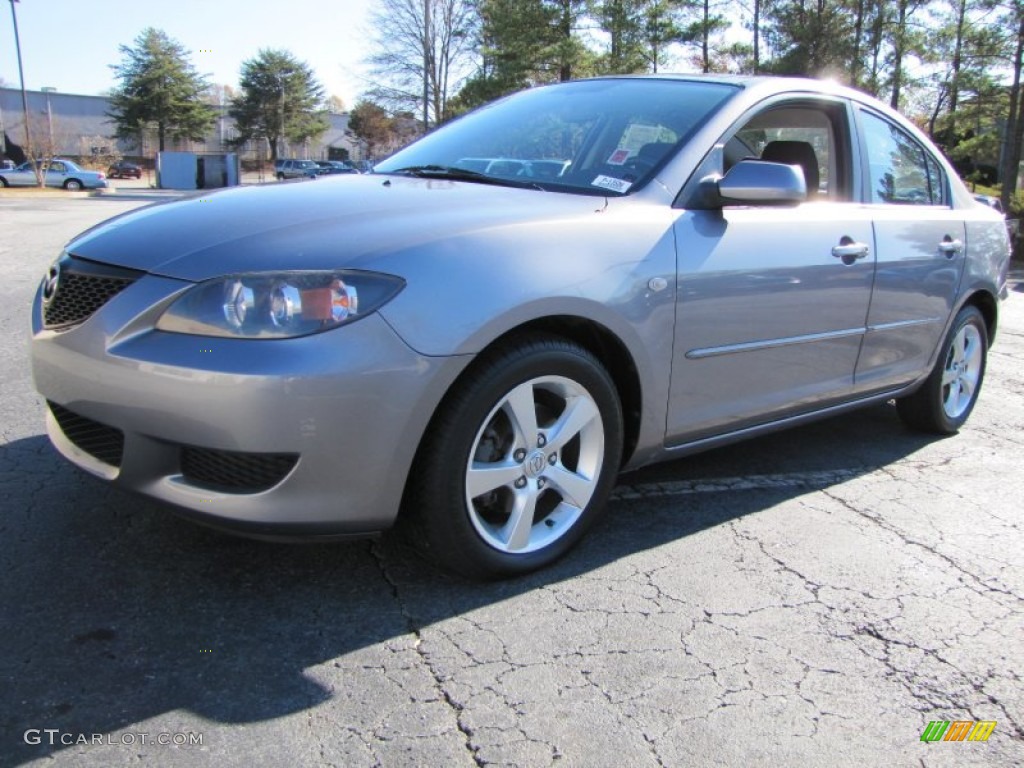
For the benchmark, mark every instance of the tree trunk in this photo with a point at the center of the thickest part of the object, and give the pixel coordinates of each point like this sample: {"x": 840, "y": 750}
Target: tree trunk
{"x": 705, "y": 54}
{"x": 858, "y": 34}
{"x": 897, "y": 55}
{"x": 954, "y": 84}
{"x": 757, "y": 36}
{"x": 1014, "y": 134}
{"x": 565, "y": 35}
{"x": 940, "y": 101}
{"x": 877, "y": 27}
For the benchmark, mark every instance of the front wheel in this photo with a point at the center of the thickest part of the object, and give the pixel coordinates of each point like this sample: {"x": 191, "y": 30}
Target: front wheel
{"x": 947, "y": 397}
{"x": 519, "y": 460}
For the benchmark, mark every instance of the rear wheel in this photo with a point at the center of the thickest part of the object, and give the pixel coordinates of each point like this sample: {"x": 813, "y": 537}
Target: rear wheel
{"x": 519, "y": 461}
{"x": 947, "y": 397}
{"x": 72, "y": 185}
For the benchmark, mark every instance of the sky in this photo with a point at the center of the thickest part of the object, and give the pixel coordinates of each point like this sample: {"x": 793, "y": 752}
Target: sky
{"x": 69, "y": 44}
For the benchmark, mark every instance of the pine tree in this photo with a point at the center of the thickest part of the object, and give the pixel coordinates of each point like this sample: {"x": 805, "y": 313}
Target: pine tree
{"x": 159, "y": 88}
{"x": 279, "y": 99}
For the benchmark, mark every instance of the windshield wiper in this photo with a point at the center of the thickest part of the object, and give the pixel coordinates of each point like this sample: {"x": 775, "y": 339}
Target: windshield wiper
{"x": 462, "y": 174}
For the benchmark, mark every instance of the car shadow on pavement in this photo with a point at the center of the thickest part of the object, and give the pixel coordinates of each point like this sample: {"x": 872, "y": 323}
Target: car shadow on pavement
{"x": 117, "y": 612}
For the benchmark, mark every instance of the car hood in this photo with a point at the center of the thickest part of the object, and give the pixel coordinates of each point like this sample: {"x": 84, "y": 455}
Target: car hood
{"x": 346, "y": 221}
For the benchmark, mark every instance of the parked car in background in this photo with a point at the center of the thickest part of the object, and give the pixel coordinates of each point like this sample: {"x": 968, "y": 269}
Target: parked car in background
{"x": 328, "y": 167}
{"x": 478, "y": 355}
{"x": 296, "y": 169}
{"x": 58, "y": 172}
{"x": 122, "y": 169}
{"x": 536, "y": 168}
{"x": 492, "y": 166}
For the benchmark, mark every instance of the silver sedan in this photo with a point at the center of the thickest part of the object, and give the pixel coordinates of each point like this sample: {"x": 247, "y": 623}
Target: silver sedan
{"x": 475, "y": 354}
{"x": 56, "y": 173}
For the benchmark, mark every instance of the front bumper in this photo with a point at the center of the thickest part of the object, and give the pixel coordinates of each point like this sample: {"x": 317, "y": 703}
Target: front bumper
{"x": 346, "y": 408}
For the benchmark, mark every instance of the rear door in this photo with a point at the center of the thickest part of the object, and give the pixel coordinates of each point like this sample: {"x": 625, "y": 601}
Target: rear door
{"x": 920, "y": 243}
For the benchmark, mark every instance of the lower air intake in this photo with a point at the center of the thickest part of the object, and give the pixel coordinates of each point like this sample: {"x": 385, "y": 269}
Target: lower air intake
{"x": 98, "y": 440}
{"x": 233, "y": 471}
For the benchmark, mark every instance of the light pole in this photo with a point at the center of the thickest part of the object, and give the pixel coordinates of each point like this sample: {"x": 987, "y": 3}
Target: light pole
{"x": 49, "y": 117}
{"x": 21, "y": 77}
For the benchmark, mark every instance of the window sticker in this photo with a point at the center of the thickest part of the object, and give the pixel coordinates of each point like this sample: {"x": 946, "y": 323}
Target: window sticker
{"x": 619, "y": 157}
{"x": 615, "y": 185}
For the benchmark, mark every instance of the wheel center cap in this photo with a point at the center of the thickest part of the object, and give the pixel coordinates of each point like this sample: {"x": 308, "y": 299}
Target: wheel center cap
{"x": 535, "y": 463}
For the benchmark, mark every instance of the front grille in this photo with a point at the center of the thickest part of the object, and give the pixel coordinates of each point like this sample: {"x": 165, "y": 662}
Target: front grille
{"x": 234, "y": 471}
{"x": 82, "y": 287}
{"x": 98, "y": 440}
{"x": 79, "y": 296}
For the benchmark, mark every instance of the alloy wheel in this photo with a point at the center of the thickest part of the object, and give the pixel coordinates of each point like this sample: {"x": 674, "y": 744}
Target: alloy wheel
{"x": 534, "y": 464}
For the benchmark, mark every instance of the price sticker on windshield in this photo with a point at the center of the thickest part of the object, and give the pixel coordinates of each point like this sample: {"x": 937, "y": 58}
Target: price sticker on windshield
{"x": 615, "y": 185}
{"x": 619, "y": 157}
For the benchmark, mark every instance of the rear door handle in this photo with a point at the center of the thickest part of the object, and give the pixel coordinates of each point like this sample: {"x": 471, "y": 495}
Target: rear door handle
{"x": 850, "y": 250}
{"x": 951, "y": 247}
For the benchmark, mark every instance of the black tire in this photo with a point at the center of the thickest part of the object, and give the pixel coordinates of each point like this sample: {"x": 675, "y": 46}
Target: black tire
{"x": 479, "y": 418}
{"x": 280, "y": 177}
{"x": 944, "y": 402}
{"x": 3, "y": 183}
{"x": 72, "y": 185}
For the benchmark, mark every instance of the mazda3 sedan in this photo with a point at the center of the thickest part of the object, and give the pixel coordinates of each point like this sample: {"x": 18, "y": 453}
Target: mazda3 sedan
{"x": 476, "y": 354}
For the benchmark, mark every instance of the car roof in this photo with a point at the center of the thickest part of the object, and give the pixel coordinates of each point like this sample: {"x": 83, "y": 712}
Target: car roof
{"x": 765, "y": 85}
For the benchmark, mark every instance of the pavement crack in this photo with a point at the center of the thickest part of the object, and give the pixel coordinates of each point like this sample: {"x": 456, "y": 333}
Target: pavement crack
{"x": 968, "y": 578}
{"x": 416, "y": 631}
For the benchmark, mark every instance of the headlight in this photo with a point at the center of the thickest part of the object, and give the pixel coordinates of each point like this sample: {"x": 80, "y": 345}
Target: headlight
{"x": 278, "y": 305}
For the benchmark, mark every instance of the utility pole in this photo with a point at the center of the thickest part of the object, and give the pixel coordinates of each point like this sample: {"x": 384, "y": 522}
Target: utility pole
{"x": 21, "y": 77}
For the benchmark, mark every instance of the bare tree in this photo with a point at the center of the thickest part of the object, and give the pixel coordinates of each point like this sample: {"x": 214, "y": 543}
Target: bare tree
{"x": 424, "y": 53}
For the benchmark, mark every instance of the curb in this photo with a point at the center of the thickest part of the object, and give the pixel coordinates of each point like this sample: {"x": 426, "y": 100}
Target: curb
{"x": 30, "y": 192}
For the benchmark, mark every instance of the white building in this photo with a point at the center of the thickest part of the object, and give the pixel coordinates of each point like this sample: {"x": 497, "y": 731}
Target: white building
{"x": 76, "y": 126}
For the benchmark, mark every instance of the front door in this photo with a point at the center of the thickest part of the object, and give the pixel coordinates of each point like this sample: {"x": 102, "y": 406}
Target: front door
{"x": 773, "y": 302}
{"x": 769, "y": 319}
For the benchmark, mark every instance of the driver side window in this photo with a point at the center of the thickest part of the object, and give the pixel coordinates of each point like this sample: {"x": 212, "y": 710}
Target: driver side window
{"x": 804, "y": 135}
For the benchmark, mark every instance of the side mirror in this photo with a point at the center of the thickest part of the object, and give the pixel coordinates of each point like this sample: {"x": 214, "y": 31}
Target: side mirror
{"x": 757, "y": 182}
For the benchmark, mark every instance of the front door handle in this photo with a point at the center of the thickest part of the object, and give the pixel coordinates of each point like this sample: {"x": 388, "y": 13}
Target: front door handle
{"x": 849, "y": 250}
{"x": 951, "y": 247}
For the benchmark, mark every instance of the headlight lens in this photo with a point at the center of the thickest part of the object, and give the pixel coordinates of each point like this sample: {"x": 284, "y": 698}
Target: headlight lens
{"x": 278, "y": 305}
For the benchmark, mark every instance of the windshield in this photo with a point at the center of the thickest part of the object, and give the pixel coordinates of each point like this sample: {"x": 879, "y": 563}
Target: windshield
{"x": 592, "y": 136}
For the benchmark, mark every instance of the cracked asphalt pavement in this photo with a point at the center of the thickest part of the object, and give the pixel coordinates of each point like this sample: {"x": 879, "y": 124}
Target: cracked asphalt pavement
{"x": 813, "y": 598}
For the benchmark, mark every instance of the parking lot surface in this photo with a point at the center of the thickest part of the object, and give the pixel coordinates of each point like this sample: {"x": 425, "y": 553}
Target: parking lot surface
{"x": 816, "y": 597}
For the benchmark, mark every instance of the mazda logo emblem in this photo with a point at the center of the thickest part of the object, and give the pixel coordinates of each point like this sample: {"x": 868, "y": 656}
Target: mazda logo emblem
{"x": 50, "y": 283}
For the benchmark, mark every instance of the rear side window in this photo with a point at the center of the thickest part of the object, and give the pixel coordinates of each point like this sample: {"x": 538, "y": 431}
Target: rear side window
{"x": 900, "y": 171}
